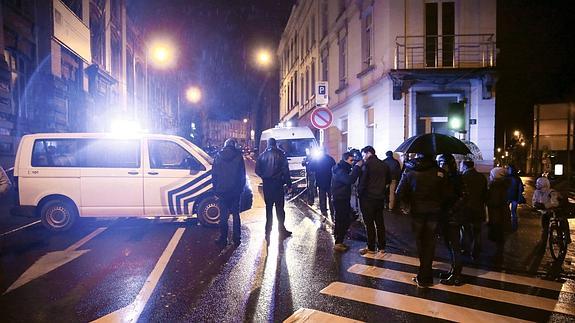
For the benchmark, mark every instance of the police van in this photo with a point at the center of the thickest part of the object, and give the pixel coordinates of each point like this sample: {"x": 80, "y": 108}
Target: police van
{"x": 297, "y": 143}
{"x": 63, "y": 176}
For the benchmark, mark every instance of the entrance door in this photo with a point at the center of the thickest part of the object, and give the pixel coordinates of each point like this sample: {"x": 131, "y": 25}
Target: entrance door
{"x": 432, "y": 112}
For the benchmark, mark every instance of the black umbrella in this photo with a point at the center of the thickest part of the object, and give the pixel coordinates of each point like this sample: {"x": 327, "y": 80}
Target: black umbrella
{"x": 433, "y": 144}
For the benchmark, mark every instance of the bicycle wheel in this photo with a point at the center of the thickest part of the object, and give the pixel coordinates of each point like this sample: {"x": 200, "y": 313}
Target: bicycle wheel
{"x": 557, "y": 245}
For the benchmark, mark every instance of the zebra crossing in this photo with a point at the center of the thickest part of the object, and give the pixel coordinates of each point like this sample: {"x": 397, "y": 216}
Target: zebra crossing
{"x": 488, "y": 296}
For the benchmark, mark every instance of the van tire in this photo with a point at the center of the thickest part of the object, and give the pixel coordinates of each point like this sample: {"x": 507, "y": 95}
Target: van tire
{"x": 58, "y": 214}
{"x": 209, "y": 211}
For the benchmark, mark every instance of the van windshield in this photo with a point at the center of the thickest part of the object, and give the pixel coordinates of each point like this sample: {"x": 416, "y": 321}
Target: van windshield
{"x": 296, "y": 147}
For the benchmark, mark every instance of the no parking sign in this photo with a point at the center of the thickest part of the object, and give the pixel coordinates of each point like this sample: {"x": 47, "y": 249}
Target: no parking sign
{"x": 321, "y": 118}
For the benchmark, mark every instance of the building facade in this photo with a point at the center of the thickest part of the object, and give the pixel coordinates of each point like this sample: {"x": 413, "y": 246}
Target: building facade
{"x": 216, "y": 132}
{"x": 75, "y": 66}
{"x": 393, "y": 67}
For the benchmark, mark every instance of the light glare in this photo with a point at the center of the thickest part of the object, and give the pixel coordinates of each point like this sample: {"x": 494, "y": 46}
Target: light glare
{"x": 193, "y": 94}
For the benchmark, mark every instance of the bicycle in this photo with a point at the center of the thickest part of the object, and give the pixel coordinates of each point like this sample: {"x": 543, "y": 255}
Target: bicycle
{"x": 558, "y": 233}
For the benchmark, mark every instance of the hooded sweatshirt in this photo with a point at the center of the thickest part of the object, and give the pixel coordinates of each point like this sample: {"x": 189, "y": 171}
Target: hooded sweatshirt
{"x": 544, "y": 195}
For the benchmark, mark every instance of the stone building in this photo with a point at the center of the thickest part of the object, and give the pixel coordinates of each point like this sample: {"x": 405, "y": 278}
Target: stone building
{"x": 393, "y": 67}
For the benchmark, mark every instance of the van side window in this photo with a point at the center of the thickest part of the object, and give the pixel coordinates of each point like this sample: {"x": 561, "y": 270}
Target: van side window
{"x": 56, "y": 153}
{"x": 166, "y": 154}
{"x": 111, "y": 153}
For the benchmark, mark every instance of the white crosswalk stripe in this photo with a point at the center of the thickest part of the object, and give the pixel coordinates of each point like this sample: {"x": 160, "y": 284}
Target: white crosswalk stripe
{"x": 426, "y": 306}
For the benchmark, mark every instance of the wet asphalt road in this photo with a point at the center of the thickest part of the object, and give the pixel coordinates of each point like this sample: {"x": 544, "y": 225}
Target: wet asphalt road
{"x": 125, "y": 266}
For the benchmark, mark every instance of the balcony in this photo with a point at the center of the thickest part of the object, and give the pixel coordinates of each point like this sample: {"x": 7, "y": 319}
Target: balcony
{"x": 445, "y": 51}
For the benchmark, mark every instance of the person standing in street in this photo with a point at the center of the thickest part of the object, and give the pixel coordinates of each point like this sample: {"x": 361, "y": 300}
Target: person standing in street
{"x": 422, "y": 187}
{"x": 498, "y": 208}
{"x": 345, "y": 173}
{"x": 514, "y": 194}
{"x": 372, "y": 183}
{"x": 395, "y": 174}
{"x": 272, "y": 167}
{"x": 451, "y": 219}
{"x": 322, "y": 166}
{"x": 474, "y": 208}
{"x": 229, "y": 179}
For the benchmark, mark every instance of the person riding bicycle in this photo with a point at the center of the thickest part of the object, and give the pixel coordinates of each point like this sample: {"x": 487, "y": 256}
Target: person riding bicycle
{"x": 544, "y": 199}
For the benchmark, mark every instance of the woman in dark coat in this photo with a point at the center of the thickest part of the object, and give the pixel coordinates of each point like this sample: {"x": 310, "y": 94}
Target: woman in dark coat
{"x": 514, "y": 194}
{"x": 497, "y": 206}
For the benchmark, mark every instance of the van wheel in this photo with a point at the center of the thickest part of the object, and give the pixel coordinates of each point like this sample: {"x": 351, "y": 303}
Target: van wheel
{"x": 209, "y": 211}
{"x": 58, "y": 215}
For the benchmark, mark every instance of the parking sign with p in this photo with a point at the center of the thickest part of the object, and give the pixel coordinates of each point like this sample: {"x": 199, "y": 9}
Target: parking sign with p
{"x": 321, "y": 97}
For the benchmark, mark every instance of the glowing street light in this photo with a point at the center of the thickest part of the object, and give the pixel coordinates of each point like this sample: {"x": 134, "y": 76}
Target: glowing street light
{"x": 246, "y": 120}
{"x": 193, "y": 94}
{"x": 263, "y": 58}
{"x": 162, "y": 54}
{"x": 516, "y": 133}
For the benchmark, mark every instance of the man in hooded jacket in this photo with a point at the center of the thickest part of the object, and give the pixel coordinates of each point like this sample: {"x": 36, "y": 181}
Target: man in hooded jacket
{"x": 229, "y": 179}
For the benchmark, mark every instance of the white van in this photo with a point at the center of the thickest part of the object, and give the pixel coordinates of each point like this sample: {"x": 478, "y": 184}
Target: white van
{"x": 62, "y": 176}
{"x": 296, "y": 142}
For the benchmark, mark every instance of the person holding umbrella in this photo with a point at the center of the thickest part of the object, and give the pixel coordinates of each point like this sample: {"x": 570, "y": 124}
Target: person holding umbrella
{"x": 423, "y": 187}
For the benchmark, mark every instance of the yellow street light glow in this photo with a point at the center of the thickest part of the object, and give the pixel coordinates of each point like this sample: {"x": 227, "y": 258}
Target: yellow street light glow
{"x": 162, "y": 54}
{"x": 263, "y": 57}
{"x": 523, "y": 144}
{"x": 245, "y": 120}
{"x": 516, "y": 133}
{"x": 193, "y": 94}
{"x": 498, "y": 150}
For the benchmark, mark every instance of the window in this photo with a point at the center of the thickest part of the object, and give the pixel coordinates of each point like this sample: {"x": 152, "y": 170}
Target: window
{"x": 19, "y": 66}
{"x": 295, "y": 89}
{"x": 312, "y": 31}
{"x": 75, "y": 6}
{"x": 55, "y": 153}
{"x": 324, "y": 64}
{"x": 312, "y": 78}
{"x": 324, "y": 18}
{"x": 105, "y": 153}
{"x": 295, "y": 147}
{"x": 343, "y": 135}
{"x": 302, "y": 89}
{"x": 367, "y": 40}
{"x": 307, "y": 84}
{"x": 369, "y": 126}
{"x": 169, "y": 155}
{"x": 341, "y": 8}
{"x": 448, "y": 32}
{"x": 342, "y": 57}
{"x": 110, "y": 153}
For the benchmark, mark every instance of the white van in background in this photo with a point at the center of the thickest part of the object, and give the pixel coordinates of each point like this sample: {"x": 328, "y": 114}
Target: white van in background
{"x": 63, "y": 176}
{"x": 296, "y": 142}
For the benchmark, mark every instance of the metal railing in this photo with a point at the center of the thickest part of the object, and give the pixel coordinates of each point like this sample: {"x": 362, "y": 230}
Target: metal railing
{"x": 445, "y": 51}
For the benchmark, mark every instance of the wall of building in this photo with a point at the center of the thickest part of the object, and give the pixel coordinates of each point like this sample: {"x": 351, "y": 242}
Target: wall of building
{"x": 371, "y": 86}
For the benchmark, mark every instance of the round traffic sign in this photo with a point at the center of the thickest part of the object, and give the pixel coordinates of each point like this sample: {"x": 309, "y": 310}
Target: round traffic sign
{"x": 321, "y": 118}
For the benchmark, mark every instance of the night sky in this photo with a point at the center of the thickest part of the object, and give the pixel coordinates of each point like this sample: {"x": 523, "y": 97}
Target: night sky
{"x": 536, "y": 42}
{"x": 217, "y": 40}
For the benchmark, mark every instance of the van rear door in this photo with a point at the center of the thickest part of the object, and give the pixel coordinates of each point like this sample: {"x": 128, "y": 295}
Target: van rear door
{"x": 112, "y": 178}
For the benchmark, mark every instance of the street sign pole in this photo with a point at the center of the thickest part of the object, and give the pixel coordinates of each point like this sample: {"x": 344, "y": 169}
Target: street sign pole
{"x": 321, "y": 100}
{"x": 321, "y": 136}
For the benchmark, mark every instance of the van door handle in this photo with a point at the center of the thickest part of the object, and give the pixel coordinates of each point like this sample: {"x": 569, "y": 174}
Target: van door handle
{"x": 133, "y": 173}
{"x": 153, "y": 173}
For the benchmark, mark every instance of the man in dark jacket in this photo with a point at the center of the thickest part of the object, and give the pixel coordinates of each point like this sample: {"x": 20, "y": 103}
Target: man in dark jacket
{"x": 229, "y": 179}
{"x": 272, "y": 166}
{"x": 395, "y": 174}
{"x": 421, "y": 187}
{"x": 321, "y": 165}
{"x": 474, "y": 209}
{"x": 372, "y": 183}
{"x": 344, "y": 175}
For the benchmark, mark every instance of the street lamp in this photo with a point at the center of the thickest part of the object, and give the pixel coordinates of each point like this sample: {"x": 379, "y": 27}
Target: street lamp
{"x": 263, "y": 57}
{"x": 162, "y": 54}
{"x": 193, "y": 94}
{"x": 246, "y": 120}
{"x": 516, "y": 133}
